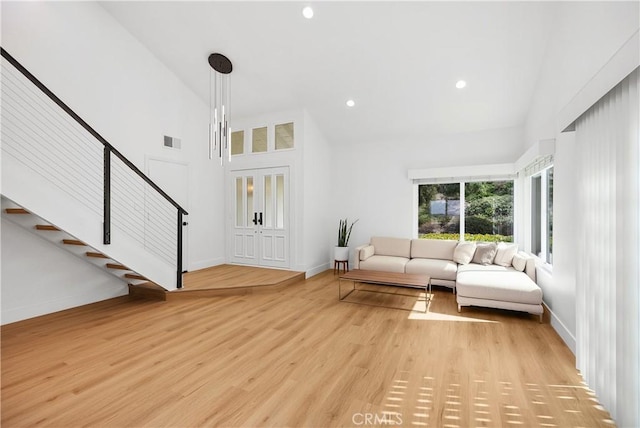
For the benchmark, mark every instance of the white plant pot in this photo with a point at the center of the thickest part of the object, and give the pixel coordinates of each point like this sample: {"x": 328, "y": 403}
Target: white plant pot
{"x": 341, "y": 254}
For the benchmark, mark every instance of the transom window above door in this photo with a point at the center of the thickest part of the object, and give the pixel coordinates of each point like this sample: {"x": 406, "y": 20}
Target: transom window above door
{"x": 263, "y": 139}
{"x": 259, "y": 140}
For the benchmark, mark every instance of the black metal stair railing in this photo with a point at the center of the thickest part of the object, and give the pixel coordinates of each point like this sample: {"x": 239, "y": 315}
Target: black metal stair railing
{"x": 108, "y": 181}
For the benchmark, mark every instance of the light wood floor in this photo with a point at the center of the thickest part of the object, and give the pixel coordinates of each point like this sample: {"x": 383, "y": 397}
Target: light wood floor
{"x": 295, "y": 357}
{"x": 235, "y": 276}
{"x": 222, "y": 280}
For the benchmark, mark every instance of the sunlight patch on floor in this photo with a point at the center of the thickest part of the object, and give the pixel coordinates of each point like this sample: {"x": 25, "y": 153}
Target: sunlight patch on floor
{"x": 421, "y": 412}
{"x": 435, "y": 316}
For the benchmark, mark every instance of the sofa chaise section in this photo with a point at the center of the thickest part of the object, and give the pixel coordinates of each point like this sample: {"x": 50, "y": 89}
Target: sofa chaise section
{"x": 501, "y": 287}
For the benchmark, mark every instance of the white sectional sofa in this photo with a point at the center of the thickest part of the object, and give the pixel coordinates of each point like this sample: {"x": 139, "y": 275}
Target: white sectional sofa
{"x": 488, "y": 275}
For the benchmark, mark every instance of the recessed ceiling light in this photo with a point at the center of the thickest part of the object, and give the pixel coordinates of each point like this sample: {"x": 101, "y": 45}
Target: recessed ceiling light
{"x": 461, "y": 84}
{"x": 350, "y": 103}
{"x": 307, "y": 12}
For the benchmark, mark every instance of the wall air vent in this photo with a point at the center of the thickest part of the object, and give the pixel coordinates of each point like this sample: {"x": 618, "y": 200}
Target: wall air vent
{"x": 172, "y": 142}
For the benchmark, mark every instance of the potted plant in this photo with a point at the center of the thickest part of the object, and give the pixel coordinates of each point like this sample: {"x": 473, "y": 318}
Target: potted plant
{"x": 341, "y": 252}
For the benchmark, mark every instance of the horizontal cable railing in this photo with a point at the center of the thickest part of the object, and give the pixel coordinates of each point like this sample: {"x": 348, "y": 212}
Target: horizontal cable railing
{"x": 49, "y": 143}
{"x": 46, "y": 136}
{"x": 141, "y": 212}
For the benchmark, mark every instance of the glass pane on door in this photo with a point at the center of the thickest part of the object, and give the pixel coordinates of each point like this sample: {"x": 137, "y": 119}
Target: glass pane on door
{"x": 268, "y": 202}
{"x": 249, "y": 201}
{"x": 280, "y": 201}
{"x": 239, "y": 203}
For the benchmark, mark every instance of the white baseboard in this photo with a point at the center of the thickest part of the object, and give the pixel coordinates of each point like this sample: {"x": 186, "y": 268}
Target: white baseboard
{"x": 37, "y": 309}
{"x": 316, "y": 270}
{"x": 203, "y": 264}
{"x": 562, "y": 330}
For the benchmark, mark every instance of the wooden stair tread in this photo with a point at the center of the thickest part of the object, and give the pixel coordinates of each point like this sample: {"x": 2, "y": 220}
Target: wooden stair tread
{"x": 72, "y": 242}
{"x": 47, "y": 227}
{"x": 135, "y": 276}
{"x": 117, "y": 266}
{"x": 97, "y": 255}
{"x": 150, "y": 286}
{"x": 16, "y": 211}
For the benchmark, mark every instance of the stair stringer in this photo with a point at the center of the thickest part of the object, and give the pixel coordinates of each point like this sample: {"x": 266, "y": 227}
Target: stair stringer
{"x": 28, "y": 189}
{"x": 30, "y": 222}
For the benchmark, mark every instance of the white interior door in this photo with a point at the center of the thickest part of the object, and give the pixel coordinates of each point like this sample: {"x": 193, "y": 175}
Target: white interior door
{"x": 260, "y": 231}
{"x": 173, "y": 179}
{"x": 273, "y": 235}
{"x": 244, "y": 231}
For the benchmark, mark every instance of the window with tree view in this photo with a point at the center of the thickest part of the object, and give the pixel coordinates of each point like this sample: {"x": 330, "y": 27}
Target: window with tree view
{"x": 542, "y": 214}
{"x": 487, "y": 214}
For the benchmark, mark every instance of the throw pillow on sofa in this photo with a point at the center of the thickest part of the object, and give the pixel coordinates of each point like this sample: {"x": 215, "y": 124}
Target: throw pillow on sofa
{"x": 485, "y": 253}
{"x": 463, "y": 254}
{"x": 519, "y": 262}
{"x": 505, "y": 253}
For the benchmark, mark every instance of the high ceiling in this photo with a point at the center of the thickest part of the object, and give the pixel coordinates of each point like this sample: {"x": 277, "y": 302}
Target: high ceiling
{"x": 399, "y": 61}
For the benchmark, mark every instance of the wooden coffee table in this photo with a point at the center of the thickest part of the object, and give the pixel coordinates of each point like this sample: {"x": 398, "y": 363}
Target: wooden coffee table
{"x": 396, "y": 279}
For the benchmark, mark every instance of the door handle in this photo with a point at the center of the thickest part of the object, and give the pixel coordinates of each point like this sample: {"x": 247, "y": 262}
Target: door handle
{"x": 184, "y": 223}
{"x": 260, "y": 220}
{"x": 255, "y": 218}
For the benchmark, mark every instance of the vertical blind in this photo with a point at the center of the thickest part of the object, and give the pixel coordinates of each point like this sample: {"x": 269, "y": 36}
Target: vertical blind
{"x": 607, "y": 307}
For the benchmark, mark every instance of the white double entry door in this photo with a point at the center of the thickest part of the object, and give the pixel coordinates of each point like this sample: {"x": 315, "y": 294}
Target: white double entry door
{"x": 260, "y": 231}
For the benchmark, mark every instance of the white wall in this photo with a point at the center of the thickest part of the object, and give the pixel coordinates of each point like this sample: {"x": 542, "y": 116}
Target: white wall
{"x": 370, "y": 181}
{"x": 319, "y": 228}
{"x": 559, "y": 285}
{"x": 84, "y": 56}
{"x": 586, "y": 36}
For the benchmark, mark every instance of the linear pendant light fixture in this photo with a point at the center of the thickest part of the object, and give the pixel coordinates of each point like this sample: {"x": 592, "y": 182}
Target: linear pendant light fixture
{"x": 219, "y": 89}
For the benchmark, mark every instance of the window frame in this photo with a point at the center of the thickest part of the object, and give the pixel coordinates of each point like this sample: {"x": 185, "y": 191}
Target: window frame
{"x": 462, "y": 186}
{"x": 541, "y": 214}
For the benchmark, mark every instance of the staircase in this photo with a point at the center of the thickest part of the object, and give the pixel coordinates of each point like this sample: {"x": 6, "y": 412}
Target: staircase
{"x": 65, "y": 183}
{"x": 45, "y": 230}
